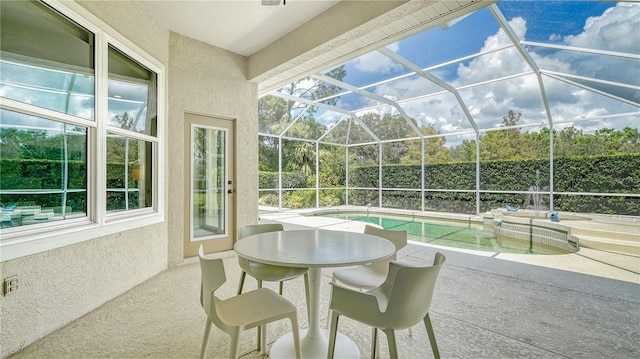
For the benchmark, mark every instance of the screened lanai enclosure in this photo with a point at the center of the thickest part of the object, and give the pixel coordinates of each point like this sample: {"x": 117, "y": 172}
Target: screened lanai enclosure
{"x": 529, "y": 104}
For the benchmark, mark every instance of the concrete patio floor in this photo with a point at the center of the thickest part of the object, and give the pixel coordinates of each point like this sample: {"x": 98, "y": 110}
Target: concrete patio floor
{"x": 485, "y": 306}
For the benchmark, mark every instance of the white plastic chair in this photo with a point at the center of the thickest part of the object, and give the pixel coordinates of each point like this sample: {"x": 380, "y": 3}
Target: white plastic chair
{"x": 237, "y": 314}
{"x": 399, "y": 303}
{"x": 371, "y": 275}
{"x": 267, "y": 272}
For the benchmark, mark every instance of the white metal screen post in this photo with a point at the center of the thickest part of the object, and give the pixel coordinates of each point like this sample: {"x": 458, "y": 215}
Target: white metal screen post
{"x": 317, "y": 174}
{"x": 380, "y": 174}
{"x": 280, "y": 173}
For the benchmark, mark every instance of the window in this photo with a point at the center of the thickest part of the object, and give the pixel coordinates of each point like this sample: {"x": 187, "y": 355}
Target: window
{"x": 132, "y": 123}
{"x": 44, "y": 168}
{"x": 70, "y": 154}
{"x": 44, "y": 156}
{"x": 47, "y": 59}
{"x": 128, "y": 173}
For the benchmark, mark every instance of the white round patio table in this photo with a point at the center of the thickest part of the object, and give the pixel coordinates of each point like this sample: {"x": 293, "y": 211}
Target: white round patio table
{"x": 314, "y": 249}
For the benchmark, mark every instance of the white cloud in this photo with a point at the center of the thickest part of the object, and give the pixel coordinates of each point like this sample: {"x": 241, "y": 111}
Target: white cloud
{"x": 329, "y": 118}
{"x": 555, "y": 37}
{"x": 408, "y": 87}
{"x": 376, "y": 62}
{"x": 441, "y": 111}
{"x": 496, "y": 64}
{"x": 306, "y": 84}
{"x": 617, "y": 29}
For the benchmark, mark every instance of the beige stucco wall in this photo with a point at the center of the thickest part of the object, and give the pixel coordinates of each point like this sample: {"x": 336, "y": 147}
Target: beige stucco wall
{"x": 211, "y": 81}
{"x": 58, "y": 286}
{"x": 61, "y": 285}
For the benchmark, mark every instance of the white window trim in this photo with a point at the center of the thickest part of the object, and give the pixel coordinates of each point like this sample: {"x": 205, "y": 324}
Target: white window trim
{"x": 43, "y": 237}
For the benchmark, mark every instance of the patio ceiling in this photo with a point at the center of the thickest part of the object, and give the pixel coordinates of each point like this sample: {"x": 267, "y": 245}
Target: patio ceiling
{"x": 241, "y": 26}
{"x": 558, "y": 63}
{"x": 304, "y": 36}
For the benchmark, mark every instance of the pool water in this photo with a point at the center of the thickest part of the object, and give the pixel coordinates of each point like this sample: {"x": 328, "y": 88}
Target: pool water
{"x": 455, "y": 235}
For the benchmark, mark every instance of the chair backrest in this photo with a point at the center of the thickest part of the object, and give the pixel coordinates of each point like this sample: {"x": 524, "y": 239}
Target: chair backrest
{"x": 212, "y": 277}
{"x": 409, "y": 290}
{"x": 398, "y": 238}
{"x": 249, "y": 230}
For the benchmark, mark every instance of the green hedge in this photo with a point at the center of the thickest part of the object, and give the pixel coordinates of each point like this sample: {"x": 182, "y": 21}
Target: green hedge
{"x": 598, "y": 174}
{"x": 267, "y": 180}
{"x": 19, "y": 174}
{"x": 36, "y": 174}
{"x": 48, "y": 174}
{"x": 40, "y": 174}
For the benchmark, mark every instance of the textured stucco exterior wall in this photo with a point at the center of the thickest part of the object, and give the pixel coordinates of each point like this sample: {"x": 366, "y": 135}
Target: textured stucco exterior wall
{"x": 131, "y": 19}
{"x": 60, "y": 285}
{"x": 211, "y": 81}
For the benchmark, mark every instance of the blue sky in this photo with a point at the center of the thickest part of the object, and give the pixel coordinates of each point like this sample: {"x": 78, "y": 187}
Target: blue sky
{"x": 548, "y": 18}
{"x": 606, "y": 26}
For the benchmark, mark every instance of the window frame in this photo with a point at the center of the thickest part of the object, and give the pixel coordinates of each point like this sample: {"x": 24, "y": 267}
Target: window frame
{"x": 22, "y": 241}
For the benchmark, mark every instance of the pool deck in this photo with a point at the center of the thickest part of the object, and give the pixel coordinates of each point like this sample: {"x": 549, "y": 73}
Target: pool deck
{"x": 601, "y": 263}
{"x": 486, "y": 305}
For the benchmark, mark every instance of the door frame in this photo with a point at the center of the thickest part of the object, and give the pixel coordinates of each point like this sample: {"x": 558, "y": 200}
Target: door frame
{"x": 190, "y": 248}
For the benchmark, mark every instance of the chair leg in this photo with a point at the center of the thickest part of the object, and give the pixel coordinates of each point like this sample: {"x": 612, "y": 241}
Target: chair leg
{"x": 205, "y": 339}
{"x": 235, "y": 343}
{"x": 410, "y": 332}
{"x": 333, "y": 280}
{"x": 259, "y": 348}
{"x": 391, "y": 338}
{"x": 281, "y": 287}
{"x": 332, "y": 334}
{"x": 296, "y": 335}
{"x": 432, "y": 337}
{"x": 242, "y": 276}
{"x": 374, "y": 343}
{"x": 263, "y": 336}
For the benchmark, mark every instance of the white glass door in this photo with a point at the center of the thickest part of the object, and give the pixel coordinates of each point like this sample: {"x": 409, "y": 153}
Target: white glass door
{"x": 210, "y": 194}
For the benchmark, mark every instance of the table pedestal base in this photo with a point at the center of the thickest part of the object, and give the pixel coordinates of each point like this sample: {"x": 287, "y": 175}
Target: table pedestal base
{"x": 314, "y": 348}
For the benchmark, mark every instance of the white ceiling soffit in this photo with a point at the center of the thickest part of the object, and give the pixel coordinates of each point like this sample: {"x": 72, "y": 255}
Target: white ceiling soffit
{"x": 240, "y": 26}
{"x": 408, "y": 19}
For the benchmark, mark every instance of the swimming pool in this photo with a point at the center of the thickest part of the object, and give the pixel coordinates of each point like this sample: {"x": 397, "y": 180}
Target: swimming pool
{"x": 449, "y": 233}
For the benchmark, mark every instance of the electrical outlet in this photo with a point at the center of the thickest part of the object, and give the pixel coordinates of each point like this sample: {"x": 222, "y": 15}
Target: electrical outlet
{"x": 10, "y": 285}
